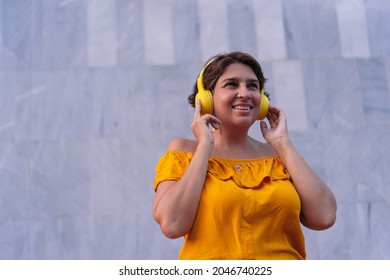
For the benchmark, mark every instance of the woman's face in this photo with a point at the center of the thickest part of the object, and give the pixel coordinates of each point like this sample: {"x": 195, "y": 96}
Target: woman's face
{"x": 237, "y": 95}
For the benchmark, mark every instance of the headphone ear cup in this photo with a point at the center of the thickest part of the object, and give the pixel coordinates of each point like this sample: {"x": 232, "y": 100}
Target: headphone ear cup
{"x": 264, "y": 105}
{"x": 206, "y": 99}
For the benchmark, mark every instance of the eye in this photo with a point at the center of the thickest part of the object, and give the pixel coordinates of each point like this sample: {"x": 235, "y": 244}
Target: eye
{"x": 252, "y": 86}
{"x": 231, "y": 84}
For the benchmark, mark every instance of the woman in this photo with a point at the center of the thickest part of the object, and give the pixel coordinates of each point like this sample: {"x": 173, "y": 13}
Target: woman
{"x": 232, "y": 196}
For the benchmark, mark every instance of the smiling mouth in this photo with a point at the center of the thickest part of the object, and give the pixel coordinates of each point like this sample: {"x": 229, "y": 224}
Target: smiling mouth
{"x": 242, "y": 107}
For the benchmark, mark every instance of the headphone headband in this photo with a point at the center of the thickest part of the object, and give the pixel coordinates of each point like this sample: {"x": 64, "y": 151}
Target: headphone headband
{"x": 199, "y": 81}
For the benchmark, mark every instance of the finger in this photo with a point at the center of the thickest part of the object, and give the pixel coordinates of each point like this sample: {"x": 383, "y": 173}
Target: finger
{"x": 209, "y": 119}
{"x": 273, "y": 108}
{"x": 198, "y": 108}
{"x": 277, "y": 113}
{"x": 215, "y": 125}
{"x": 271, "y": 117}
{"x": 215, "y": 119}
{"x": 263, "y": 127}
{"x": 273, "y": 123}
{"x": 274, "y": 114}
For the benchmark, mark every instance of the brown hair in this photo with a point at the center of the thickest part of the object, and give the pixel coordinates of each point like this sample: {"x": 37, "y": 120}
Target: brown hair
{"x": 216, "y": 66}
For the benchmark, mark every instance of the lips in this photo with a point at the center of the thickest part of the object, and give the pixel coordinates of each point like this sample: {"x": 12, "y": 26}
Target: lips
{"x": 242, "y": 107}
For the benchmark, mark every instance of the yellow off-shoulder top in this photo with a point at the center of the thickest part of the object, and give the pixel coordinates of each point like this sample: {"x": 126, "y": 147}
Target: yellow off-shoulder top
{"x": 249, "y": 209}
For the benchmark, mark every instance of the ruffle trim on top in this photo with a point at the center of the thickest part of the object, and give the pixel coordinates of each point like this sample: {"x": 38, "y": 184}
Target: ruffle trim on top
{"x": 246, "y": 173}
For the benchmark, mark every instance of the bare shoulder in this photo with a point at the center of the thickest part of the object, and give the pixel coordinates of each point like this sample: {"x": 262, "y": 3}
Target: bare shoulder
{"x": 264, "y": 149}
{"x": 181, "y": 144}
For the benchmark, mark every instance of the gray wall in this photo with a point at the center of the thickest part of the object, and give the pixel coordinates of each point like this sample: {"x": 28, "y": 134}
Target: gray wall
{"x": 91, "y": 92}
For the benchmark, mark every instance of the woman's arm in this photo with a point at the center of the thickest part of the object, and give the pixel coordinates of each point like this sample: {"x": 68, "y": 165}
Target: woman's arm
{"x": 318, "y": 202}
{"x": 176, "y": 202}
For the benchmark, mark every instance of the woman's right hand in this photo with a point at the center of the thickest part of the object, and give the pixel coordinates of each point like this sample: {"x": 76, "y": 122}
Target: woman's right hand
{"x": 200, "y": 125}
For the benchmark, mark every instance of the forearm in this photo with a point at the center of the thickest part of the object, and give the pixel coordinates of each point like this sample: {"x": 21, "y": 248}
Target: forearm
{"x": 176, "y": 208}
{"x": 318, "y": 205}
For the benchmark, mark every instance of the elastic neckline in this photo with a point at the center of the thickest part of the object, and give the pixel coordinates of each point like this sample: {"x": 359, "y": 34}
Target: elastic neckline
{"x": 230, "y": 159}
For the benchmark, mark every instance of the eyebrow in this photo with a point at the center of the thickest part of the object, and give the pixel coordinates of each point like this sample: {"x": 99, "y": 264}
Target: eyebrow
{"x": 248, "y": 81}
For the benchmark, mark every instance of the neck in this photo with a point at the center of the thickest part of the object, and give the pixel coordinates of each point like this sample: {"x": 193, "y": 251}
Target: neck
{"x": 231, "y": 141}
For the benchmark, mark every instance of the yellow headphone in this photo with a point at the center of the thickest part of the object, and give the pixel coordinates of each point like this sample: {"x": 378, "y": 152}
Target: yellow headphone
{"x": 206, "y": 98}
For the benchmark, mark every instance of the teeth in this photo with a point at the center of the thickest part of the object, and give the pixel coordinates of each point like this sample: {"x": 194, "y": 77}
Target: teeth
{"x": 242, "y": 107}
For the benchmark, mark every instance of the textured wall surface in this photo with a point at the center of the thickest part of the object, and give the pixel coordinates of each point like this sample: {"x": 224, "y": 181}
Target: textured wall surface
{"x": 92, "y": 91}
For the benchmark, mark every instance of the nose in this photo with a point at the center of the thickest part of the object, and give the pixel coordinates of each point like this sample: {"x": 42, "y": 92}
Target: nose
{"x": 244, "y": 93}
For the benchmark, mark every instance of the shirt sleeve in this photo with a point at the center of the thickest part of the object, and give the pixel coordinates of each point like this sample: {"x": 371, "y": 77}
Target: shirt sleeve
{"x": 171, "y": 166}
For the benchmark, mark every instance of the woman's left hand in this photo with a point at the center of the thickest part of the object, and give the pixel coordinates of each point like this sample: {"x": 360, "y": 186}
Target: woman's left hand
{"x": 318, "y": 204}
{"x": 277, "y": 132}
